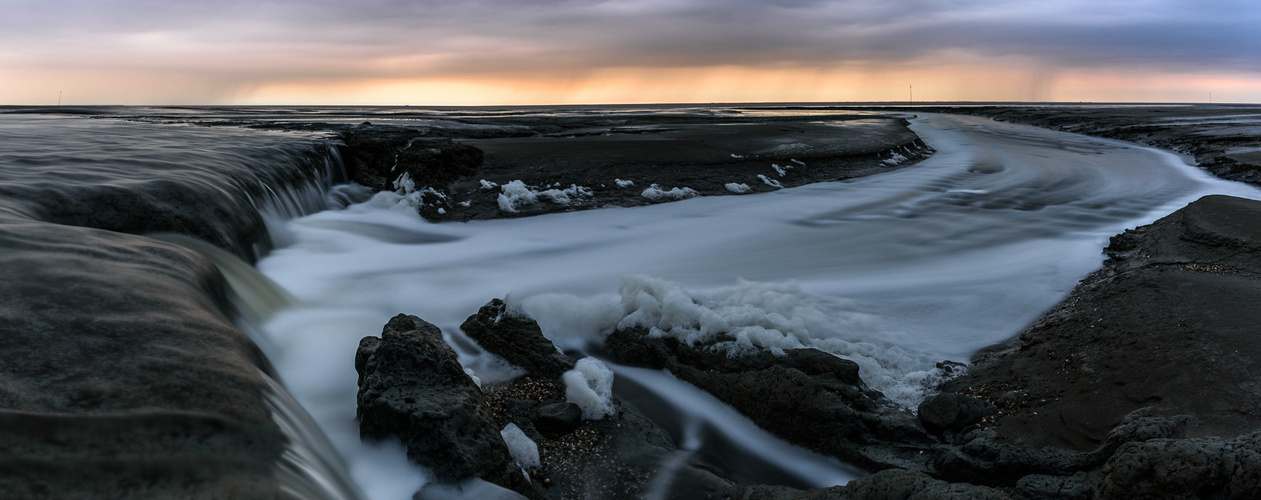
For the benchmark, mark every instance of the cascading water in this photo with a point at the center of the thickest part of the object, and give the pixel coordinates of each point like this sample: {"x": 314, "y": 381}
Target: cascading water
{"x": 897, "y": 271}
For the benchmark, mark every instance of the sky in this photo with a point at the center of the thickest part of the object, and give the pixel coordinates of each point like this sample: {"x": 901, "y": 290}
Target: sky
{"x": 500, "y": 52}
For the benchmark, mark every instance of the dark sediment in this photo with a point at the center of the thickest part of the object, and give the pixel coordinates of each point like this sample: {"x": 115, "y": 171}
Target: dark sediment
{"x": 1165, "y": 325}
{"x": 588, "y": 155}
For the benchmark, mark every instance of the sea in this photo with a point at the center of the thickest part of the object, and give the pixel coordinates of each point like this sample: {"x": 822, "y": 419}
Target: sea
{"x": 111, "y": 219}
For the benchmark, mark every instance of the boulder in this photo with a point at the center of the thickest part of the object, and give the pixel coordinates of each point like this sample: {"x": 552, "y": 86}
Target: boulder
{"x": 557, "y": 418}
{"x": 516, "y": 337}
{"x": 412, "y": 387}
{"x": 1184, "y": 468}
{"x": 953, "y": 412}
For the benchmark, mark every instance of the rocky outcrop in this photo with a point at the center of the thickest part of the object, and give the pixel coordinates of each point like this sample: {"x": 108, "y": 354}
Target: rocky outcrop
{"x": 953, "y": 412}
{"x": 517, "y": 338}
{"x": 412, "y": 387}
{"x": 377, "y": 155}
{"x": 804, "y": 396}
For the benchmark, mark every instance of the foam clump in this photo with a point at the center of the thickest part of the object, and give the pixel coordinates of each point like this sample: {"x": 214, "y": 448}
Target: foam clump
{"x": 738, "y": 187}
{"x": 655, "y": 193}
{"x": 624, "y": 184}
{"x": 516, "y": 194}
{"x": 896, "y": 159}
{"x": 769, "y": 181}
{"x": 523, "y": 449}
{"x": 590, "y": 386}
{"x": 751, "y": 316}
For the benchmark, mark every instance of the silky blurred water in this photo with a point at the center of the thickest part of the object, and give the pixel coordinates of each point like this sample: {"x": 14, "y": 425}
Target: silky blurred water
{"x": 896, "y": 271}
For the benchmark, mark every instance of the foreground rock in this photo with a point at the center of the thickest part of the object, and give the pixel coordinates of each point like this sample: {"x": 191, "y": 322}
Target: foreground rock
{"x": 412, "y": 387}
{"x": 517, "y": 338}
{"x": 805, "y": 396}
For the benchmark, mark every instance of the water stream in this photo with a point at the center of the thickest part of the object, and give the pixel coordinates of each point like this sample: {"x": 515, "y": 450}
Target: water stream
{"x": 896, "y": 271}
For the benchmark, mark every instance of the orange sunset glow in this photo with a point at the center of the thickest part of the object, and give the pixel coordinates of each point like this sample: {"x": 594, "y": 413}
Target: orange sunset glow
{"x": 487, "y": 53}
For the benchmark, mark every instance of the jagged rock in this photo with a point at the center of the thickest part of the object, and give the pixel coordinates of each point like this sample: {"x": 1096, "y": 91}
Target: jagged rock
{"x": 557, "y": 418}
{"x": 377, "y": 155}
{"x": 411, "y": 386}
{"x": 516, "y": 337}
{"x": 1184, "y": 468}
{"x": 805, "y": 396}
{"x": 953, "y": 412}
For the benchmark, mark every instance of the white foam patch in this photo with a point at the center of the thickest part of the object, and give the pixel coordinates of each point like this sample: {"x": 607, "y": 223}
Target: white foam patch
{"x": 742, "y": 318}
{"x": 624, "y": 184}
{"x": 895, "y": 159}
{"x": 590, "y": 386}
{"x": 655, "y": 193}
{"x": 738, "y": 187}
{"x": 521, "y": 447}
{"x": 769, "y": 181}
{"x": 781, "y": 170}
{"x": 515, "y": 194}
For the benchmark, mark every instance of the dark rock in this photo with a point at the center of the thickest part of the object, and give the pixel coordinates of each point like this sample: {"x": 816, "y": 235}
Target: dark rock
{"x": 1184, "y": 468}
{"x": 806, "y": 397}
{"x": 953, "y": 412}
{"x": 411, "y": 386}
{"x": 889, "y": 484}
{"x": 517, "y": 338}
{"x": 557, "y": 418}
{"x": 1040, "y": 486}
{"x": 376, "y": 156}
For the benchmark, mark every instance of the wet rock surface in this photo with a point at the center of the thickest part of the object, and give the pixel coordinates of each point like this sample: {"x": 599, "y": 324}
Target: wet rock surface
{"x": 517, "y": 338}
{"x": 805, "y": 396}
{"x": 412, "y": 387}
{"x": 120, "y": 377}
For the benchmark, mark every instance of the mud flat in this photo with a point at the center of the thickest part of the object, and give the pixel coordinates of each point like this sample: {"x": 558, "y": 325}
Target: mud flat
{"x": 517, "y": 166}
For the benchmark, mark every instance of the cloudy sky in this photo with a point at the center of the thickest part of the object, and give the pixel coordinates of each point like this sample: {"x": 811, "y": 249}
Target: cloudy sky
{"x": 589, "y": 51}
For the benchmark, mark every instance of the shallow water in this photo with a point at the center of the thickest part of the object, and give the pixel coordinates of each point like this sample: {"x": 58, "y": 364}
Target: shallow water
{"x": 896, "y": 271}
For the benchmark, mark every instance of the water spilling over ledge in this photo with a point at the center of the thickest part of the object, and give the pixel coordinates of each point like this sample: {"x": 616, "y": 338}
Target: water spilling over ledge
{"x": 123, "y": 373}
{"x": 127, "y": 343}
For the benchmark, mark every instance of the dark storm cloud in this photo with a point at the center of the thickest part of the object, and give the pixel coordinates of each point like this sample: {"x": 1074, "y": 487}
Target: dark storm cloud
{"x": 424, "y": 38}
